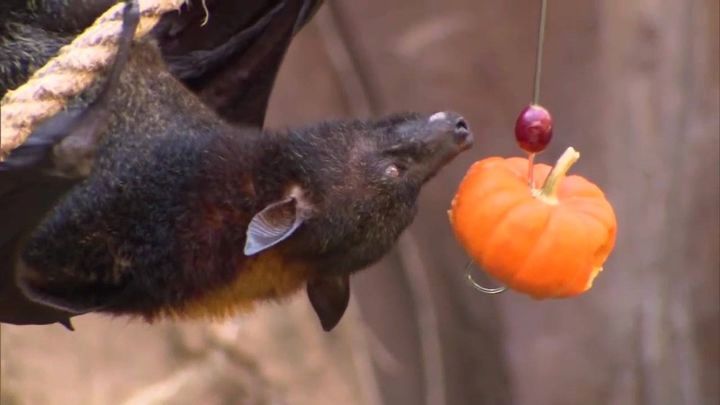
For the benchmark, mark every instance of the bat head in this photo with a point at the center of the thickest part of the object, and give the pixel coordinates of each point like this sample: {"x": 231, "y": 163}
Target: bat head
{"x": 351, "y": 188}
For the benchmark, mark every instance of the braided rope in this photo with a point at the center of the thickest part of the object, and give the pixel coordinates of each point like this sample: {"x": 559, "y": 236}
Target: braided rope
{"x": 70, "y": 72}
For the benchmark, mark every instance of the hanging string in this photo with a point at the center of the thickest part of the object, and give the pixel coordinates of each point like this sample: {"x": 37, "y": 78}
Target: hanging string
{"x": 539, "y": 54}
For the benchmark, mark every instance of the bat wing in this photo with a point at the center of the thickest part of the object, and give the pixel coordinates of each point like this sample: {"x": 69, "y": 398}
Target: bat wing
{"x": 228, "y": 52}
{"x": 232, "y": 61}
{"x": 25, "y": 196}
{"x": 27, "y": 193}
{"x": 33, "y": 178}
{"x": 15, "y": 307}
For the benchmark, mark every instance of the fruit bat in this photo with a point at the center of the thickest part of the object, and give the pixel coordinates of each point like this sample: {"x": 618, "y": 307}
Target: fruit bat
{"x": 183, "y": 212}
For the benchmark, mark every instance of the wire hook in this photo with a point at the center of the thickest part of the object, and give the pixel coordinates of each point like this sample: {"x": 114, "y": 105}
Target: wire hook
{"x": 475, "y": 285}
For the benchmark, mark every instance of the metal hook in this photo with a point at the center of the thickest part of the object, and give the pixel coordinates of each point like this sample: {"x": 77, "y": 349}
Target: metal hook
{"x": 474, "y": 284}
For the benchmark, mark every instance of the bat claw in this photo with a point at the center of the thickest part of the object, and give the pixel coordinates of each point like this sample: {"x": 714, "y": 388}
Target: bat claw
{"x": 67, "y": 324}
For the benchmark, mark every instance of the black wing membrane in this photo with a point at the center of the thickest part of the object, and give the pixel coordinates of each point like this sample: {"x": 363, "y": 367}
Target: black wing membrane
{"x": 226, "y": 51}
{"x": 33, "y": 178}
{"x": 232, "y": 60}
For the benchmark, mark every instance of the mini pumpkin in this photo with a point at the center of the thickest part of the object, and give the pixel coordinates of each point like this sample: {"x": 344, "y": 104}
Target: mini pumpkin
{"x": 549, "y": 242}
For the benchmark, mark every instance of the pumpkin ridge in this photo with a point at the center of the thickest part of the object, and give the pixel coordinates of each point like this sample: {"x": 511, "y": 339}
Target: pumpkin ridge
{"x": 605, "y": 249}
{"x": 579, "y": 191}
{"x": 599, "y": 254}
{"x": 590, "y": 208}
{"x": 502, "y": 218}
{"x": 569, "y": 286}
{"x": 535, "y": 246}
{"x": 485, "y": 192}
{"x": 589, "y": 215}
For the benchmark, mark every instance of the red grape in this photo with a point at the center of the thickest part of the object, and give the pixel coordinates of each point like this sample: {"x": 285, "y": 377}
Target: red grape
{"x": 533, "y": 128}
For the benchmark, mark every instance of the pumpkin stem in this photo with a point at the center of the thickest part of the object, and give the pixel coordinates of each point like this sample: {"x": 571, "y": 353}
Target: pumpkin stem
{"x": 549, "y": 190}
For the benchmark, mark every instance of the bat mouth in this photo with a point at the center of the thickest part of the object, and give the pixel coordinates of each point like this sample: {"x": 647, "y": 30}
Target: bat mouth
{"x": 462, "y": 135}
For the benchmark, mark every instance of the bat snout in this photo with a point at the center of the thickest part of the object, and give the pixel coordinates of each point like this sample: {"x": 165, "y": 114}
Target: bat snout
{"x": 450, "y": 127}
{"x": 462, "y": 135}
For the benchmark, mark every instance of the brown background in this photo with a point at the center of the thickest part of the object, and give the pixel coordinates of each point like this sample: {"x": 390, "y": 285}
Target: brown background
{"x": 632, "y": 85}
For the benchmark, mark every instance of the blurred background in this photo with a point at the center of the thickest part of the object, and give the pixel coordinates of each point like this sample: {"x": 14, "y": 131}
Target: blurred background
{"x": 634, "y": 86}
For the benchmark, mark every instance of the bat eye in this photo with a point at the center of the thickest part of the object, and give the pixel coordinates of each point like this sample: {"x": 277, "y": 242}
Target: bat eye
{"x": 392, "y": 170}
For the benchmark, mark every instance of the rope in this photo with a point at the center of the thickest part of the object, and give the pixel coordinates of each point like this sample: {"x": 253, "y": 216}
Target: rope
{"x": 70, "y": 72}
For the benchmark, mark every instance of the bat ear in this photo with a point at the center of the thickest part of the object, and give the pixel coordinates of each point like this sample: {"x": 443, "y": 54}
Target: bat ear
{"x": 329, "y": 296}
{"x": 275, "y": 223}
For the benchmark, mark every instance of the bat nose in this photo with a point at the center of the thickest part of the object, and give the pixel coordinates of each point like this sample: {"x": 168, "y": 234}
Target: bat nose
{"x": 462, "y": 134}
{"x": 461, "y": 125}
{"x": 454, "y": 125}
{"x": 462, "y": 130}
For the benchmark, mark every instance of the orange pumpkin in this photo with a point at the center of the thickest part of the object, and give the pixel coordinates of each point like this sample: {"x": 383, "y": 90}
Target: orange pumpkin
{"x": 549, "y": 242}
